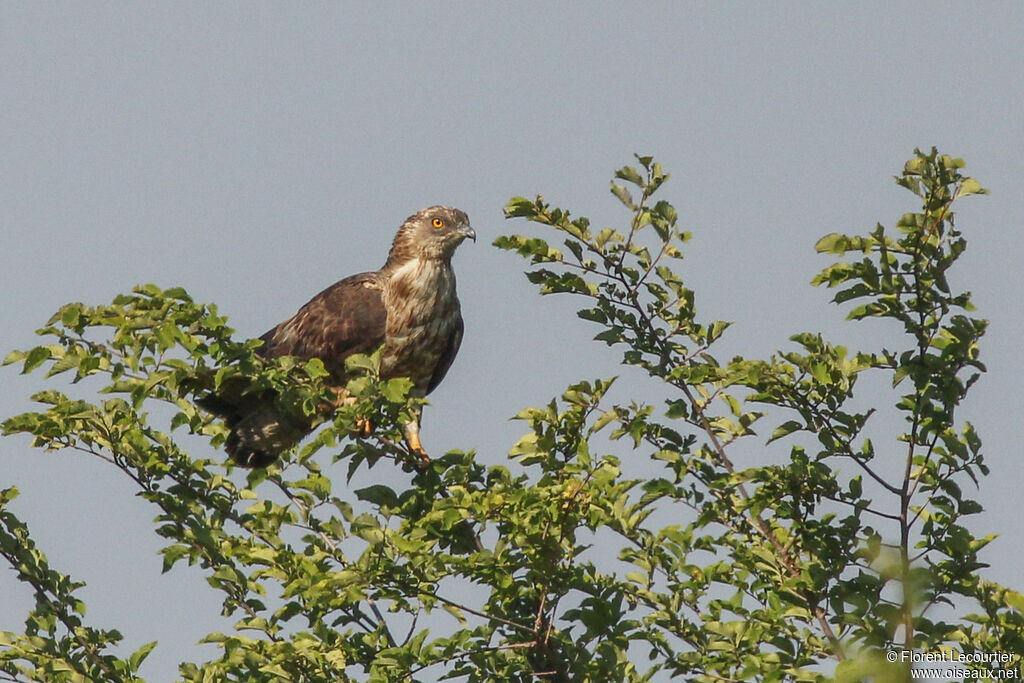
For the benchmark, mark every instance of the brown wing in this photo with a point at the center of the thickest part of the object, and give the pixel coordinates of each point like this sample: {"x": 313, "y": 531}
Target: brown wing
{"x": 346, "y": 318}
{"x": 448, "y": 355}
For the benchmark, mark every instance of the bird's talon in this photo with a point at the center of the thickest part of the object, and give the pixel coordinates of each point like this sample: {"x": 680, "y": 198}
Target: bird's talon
{"x": 420, "y": 463}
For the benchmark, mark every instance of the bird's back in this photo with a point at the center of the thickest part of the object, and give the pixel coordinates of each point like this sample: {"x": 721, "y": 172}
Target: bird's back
{"x": 346, "y": 318}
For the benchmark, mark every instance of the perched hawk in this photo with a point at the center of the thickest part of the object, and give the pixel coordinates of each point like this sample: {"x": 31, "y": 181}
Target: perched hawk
{"x": 410, "y": 306}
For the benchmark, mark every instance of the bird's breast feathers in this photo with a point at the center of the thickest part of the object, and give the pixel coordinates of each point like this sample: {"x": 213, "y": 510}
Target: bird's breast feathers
{"x": 422, "y": 313}
{"x": 421, "y": 288}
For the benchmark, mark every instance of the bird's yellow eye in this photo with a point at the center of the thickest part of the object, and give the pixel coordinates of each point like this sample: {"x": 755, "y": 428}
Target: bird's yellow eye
{"x": 437, "y": 223}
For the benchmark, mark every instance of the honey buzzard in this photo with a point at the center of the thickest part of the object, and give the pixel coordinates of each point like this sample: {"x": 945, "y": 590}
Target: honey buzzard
{"x": 409, "y": 306}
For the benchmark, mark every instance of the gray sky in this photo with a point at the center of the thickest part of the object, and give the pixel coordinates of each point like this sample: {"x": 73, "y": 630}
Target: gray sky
{"x": 254, "y": 153}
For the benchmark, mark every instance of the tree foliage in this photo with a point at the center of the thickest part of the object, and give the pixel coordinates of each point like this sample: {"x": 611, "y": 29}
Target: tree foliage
{"x": 621, "y": 542}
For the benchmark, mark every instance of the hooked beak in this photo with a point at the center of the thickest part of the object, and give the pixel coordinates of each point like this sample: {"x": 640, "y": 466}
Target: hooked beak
{"x": 466, "y": 230}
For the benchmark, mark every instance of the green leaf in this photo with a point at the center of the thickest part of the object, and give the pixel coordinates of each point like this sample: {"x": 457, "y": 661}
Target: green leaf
{"x": 832, "y": 243}
{"x": 520, "y": 207}
{"x": 397, "y": 389}
{"x": 603, "y": 420}
{"x": 1015, "y": 600}
{"x": 136, "y": 658}
{"x": 785, "y": 429}
{"x": 14, "y": 357}
{"x": 315, "y": 368}
{"x": 35, "y": 358}
{"x": 970, "y": 186}
{"x": 629, "y": 174}
{"x": 378, "y": 494}
{"x": 623, "y": 195}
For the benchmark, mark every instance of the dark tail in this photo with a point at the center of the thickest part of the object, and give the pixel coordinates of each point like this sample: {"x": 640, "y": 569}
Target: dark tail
{"x": 245, "y": 455}
{"x": 242, "y": 453}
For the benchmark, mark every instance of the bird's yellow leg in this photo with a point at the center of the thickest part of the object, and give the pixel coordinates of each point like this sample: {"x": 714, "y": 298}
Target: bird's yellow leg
{"x": 412, "y": 439}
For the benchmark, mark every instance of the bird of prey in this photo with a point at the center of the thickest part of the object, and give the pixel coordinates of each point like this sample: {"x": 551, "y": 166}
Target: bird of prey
{"x": 409, "y": 307}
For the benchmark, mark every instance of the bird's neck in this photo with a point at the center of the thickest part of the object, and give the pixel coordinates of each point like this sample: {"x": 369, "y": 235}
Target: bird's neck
{"x": 420, "y": 278}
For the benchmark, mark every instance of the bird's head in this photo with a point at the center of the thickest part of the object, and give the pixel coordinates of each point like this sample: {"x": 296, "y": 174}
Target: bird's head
{"x": 432, "y": 233}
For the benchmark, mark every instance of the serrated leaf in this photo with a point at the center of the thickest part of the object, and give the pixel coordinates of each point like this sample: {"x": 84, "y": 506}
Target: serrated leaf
{"x": 520, "y": 207}
{"x": 396, "y": 390}
{"x": 833, "y": 243}
{"x": 785, "y": 429}
{"x": 970, "y": 186}
{"x": 455, "y": 612}
{"x": 136, "y": 658}
{"x": 35, "y": 358}
{"x": 602, "y": 421}
{"x": 623, "y": 195}
{"x": 378, "y": 494}
{"x": 14, "y": 357}
{"x": 629, "y": 174}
